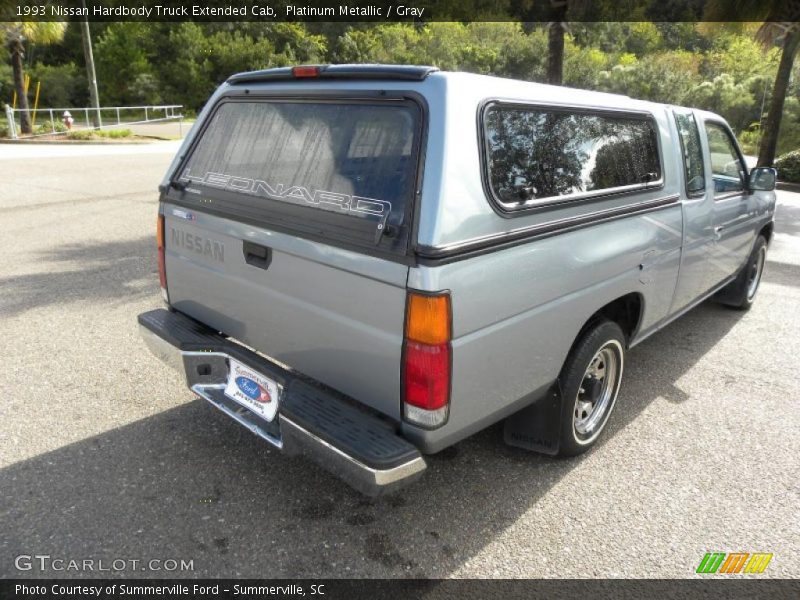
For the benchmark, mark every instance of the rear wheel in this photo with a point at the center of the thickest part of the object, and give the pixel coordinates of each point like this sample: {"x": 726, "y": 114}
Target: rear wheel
{"x": 590, "y": 382}
{"x": 741, "y": 292}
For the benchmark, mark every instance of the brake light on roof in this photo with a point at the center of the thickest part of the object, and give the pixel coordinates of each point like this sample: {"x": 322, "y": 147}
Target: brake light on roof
{"x": 427, "y": 360}
{"x": 162, "y": 266}
{"x": 305, "y": 71}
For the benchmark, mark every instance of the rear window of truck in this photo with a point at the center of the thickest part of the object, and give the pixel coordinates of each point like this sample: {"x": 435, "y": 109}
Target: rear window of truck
{"x": 341, "y": 170}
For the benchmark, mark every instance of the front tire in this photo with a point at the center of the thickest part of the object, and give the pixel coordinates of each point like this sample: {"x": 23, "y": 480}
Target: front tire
{"x": 589, "y": 382}
{"x": 741, "y": 292}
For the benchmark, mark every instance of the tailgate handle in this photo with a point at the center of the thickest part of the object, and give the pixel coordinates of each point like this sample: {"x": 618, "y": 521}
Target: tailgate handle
{"x": 256, "y": 254}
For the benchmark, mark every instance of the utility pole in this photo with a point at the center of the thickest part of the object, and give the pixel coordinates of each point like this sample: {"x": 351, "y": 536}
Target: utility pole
{"x": 97, "y": 122}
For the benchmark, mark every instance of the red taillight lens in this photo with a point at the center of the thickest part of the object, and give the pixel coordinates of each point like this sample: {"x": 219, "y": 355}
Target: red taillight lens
{"x": 305, "y": 71}
{"x": 162, "y": 267}
{"x": 426, "y": 359}
{"x": 426, "y": 375}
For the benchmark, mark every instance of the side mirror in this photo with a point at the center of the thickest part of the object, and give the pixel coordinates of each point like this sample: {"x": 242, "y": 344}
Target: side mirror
{"x": 762, "y": 179}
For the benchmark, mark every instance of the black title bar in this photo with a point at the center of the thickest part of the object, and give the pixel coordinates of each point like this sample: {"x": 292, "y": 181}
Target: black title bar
{"x": 400, "y": 11}
{"x": 386, "y": 589}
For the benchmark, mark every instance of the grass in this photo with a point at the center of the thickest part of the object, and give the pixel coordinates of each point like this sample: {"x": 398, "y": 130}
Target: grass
{"x": 100, "y": 134}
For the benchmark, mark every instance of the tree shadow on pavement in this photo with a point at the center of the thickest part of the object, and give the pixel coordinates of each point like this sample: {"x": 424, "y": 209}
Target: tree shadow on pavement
{"x": 107, "y": 271}
{"x": 190, "y": 484}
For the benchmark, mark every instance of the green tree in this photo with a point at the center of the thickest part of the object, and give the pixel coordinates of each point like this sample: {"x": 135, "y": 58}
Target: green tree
{"x": 123, "y": 62}
{"x": 664, "y": 77}
{"x": 787, "y": 35}
{"x": 726, "y": 96}
{"x": 16, "y": 36}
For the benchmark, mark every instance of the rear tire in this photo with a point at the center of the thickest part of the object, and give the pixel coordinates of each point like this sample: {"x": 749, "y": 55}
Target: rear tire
{"x": 741, "y": 292}
{"x": 589, "y": 382}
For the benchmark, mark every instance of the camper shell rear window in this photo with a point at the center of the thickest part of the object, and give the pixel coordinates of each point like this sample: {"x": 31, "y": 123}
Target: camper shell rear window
{"x": 343, "y": 170}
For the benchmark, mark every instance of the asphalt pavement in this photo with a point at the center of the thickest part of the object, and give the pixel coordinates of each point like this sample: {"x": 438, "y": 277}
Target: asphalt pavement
{"x": 104, "y": 455}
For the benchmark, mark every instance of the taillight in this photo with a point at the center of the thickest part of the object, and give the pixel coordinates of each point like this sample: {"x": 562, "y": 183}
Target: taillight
{"x": 305, "y": 71}
{"x": 162, "y": 267}
{"x": 427, "y": 359}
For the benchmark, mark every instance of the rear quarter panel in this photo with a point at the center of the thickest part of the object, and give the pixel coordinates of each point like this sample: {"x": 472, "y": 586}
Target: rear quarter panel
{"x": 518, "y": 310}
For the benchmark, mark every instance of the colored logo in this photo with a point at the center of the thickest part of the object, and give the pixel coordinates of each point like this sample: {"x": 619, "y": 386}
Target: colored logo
{"x": 252, "y": 390}
{"x": 735, "y": 562}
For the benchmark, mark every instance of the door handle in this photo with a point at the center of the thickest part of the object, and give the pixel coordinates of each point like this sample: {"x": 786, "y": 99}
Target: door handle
{"x": 256, "y": 254}
{"x": 718, "y": 231}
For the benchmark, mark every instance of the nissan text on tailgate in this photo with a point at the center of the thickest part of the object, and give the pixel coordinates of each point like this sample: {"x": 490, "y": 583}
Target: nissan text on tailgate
{"x": 365, "y": 264}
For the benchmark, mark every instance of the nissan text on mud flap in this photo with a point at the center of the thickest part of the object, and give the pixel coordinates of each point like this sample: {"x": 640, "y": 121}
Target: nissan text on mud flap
{"x": 365, "y": 264}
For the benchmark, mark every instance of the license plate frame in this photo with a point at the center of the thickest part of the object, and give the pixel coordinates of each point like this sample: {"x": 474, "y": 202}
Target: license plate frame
{"x": 253, "y": 390}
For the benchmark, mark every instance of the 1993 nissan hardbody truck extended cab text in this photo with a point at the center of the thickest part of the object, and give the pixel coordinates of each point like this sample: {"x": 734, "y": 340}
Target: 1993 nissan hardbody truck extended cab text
{"x": 367, "y": 263}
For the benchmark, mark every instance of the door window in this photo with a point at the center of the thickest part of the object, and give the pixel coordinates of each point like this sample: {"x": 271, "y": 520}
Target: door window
{"x": 726, "y": 165}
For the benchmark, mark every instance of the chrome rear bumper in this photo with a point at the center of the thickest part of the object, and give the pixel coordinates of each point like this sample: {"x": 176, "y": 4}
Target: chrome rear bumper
{"x": 360, "y": 448}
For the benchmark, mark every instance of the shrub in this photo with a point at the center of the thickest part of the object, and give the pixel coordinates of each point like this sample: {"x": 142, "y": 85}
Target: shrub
{"x": 92, "y": 134}
{"x": 45, "y": 126}
{"x": 81, "y": 134}
{"x": 4, "y": 130}
{"x": 788, "y": 166}
{"x": 116, "y": 133}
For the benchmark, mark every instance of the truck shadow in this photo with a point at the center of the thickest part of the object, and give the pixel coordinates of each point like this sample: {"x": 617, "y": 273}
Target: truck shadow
{"x": 190, "y": 484}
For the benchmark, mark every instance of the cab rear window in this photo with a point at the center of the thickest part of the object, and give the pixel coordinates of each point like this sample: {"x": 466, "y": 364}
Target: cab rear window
{"x": 337, "y": 169}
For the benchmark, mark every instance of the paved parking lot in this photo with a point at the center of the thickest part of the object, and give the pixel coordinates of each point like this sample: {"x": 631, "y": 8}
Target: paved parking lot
{"x": 104, "y": 455}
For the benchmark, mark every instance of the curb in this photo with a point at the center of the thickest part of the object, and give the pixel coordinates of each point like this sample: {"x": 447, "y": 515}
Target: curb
{"x": 787, "y": 186}
{"x": 80, "y": 142}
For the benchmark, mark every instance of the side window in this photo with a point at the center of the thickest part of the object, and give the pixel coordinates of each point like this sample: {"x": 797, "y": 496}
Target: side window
{"x": 726, "y": 168}
{"x": 538, "y": 155}
{"x": 692, "y": 153}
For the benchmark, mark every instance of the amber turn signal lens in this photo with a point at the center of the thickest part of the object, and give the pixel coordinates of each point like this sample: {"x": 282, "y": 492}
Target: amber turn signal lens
{"x": 428, "y": 318}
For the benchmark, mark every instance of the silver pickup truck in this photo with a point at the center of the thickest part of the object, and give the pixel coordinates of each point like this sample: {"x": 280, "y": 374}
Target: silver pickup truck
{"x": 365, "y": 264}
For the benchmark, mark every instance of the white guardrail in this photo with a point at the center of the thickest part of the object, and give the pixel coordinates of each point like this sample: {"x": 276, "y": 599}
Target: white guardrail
{"x": 91, "y": 118}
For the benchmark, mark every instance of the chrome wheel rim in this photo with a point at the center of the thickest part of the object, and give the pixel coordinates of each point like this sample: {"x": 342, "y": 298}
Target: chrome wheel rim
{"x": 756, "y": 269}
{"x": 597, "y": 392}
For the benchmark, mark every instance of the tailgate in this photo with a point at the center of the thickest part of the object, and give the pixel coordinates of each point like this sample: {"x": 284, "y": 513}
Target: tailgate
{"x": 329, "y": 313}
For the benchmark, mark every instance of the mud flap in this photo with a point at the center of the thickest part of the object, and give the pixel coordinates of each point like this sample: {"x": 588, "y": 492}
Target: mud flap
{"x": 537, "y": 427}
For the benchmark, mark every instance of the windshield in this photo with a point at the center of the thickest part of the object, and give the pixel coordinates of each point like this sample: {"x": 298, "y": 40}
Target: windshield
{"x": 343, "y": 168}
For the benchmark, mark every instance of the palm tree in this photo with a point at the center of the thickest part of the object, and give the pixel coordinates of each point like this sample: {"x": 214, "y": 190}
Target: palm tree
{"x": 16, "y": 34}
{"x": 772, "y": 31}
{"x": 788, "y": 35}
{"x": 554, "y": 13}
{"x": 555, "y": 41}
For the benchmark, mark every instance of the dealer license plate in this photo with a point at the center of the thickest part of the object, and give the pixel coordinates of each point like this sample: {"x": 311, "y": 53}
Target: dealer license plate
{"x": 252, "y": 390}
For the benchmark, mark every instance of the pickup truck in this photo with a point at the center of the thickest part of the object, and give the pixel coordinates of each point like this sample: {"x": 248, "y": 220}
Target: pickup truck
{"x": 365, "y": 264}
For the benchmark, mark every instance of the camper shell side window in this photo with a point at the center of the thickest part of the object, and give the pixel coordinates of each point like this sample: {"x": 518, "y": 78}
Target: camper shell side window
{"x": 536, "y": 156}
